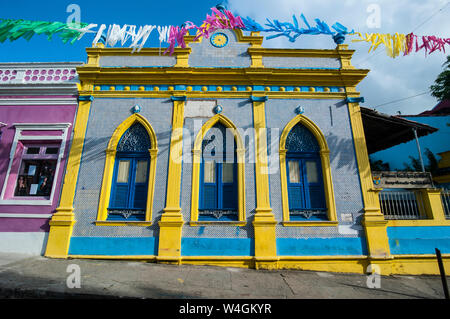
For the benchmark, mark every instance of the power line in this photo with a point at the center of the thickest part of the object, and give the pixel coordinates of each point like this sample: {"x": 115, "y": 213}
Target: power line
{"x": 428, "y": 19}
{"x": 405, "y": 98}
{"x": 431, "y": 16}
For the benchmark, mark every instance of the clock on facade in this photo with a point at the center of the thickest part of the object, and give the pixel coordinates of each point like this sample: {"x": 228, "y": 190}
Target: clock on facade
{"x": 219, "y": 40}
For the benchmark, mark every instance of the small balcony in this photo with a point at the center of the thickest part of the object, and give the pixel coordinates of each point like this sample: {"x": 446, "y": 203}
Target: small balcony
{"x": 402, "y": 204}
{"x": 411, "y": 196}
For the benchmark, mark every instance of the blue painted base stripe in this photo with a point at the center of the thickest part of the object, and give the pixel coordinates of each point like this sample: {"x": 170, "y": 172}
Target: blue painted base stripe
{"x": 117, "y": 246}
{"x": 419, "y": 246}
{"x": 321, "y": 246}
{"x": 216, "y": 246}
{"x": 419, "y": 232}
{"x": 418, "y": 239}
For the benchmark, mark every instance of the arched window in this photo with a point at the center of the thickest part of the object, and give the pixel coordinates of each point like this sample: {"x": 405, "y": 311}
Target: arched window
{"x": 304, "y": 176}
{"x": 129, "y": 187}
{"x": 218, "y": 176}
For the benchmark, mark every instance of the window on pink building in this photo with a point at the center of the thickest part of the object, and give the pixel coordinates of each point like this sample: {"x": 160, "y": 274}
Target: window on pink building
{"x": 37, "y": 170}
{"x": 35, "y": 164}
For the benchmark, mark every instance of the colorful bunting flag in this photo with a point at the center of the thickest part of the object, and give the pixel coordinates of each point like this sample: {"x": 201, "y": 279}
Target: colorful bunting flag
{"x": 220, "y": 18}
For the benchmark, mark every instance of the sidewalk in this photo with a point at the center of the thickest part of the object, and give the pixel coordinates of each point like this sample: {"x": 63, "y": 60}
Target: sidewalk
{"x": 39, "y": 277}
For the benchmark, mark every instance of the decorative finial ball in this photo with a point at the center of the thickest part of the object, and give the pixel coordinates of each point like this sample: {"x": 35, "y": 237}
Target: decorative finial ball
{"x": 300, "y": 110}
{"x": 220, "y": 7}
{"x": 136, "y": 109}
{"x": 339, "y": 38}
{"x": 218, "y": 109}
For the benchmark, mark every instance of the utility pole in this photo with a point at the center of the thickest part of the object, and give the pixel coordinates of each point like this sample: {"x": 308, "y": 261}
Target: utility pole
{"x": 418, "y": 149}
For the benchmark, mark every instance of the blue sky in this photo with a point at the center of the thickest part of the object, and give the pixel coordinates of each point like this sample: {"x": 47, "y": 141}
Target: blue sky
{"x": 133, "y": 12}
{"x": 389, "y": 79}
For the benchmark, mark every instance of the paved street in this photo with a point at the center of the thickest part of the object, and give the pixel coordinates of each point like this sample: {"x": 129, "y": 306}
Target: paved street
{"x": 39, "y": 277}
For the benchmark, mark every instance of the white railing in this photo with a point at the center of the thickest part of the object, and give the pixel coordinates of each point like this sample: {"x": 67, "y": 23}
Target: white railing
{"x": 445, "y": 197}
{"x": 401, "y": 204}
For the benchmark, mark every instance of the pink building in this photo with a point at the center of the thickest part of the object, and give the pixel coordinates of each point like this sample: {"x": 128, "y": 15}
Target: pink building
{"x": 38, "y": 103}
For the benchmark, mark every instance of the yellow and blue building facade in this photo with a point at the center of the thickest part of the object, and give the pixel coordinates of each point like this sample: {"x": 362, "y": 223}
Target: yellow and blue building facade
{"x": 228, "y": 153}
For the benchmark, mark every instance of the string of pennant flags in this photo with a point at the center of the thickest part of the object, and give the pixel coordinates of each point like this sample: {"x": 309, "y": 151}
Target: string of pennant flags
{"x": 220, "y": 18}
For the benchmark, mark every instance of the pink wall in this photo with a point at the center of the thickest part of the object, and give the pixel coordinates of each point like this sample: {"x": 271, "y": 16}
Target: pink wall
{"x": 31, "y": 114}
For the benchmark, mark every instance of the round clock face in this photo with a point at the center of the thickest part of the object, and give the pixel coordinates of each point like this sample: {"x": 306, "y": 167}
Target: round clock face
{"x": 219, "y": 40}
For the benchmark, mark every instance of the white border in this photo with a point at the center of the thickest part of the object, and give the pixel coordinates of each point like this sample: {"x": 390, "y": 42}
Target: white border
{"x": 38, "y": 101}
{"x": 44, "y": 216}
{"x": 20, "y": 127}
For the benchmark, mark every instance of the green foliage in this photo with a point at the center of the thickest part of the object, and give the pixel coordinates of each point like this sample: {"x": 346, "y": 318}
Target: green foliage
{"x": 415, "y": 166}
{"x": 441, "y": 88}
{"x": 378, "y": 165}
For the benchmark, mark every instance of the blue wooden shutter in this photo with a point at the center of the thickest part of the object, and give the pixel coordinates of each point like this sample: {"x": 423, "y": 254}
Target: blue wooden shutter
{"x": 140, "y": 196}
{"x": 296, "y": 199}
{"x": 121, "y": 190}
{"x": 209, "y": 196}
{"x": 120, "y": 199}
{"x": 315, "y": 188}
{"x": 316, "y": 197}
{"x": 228, "y": 187}
{"x": 295, "y": 188}
{"x": 140, "y": 187}
{"x": 208, "y": 190}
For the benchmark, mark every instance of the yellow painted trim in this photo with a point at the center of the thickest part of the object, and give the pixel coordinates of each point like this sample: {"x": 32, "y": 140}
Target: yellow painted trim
{"x": 264, "y": 222}
{"x": 373, "y": 220}
{"x": 105, "y": 192}
{"x": 417, "y": 264}
{"x": 61, "y": 224}
{"x": 418, "y": 222}
{"x": 116, "y": 257}
{"x": 221, "y": 261}
{"x": 196, "y": 159}
{"x": 175, "y": 159}
{"x": 433, "y": 204}
{"x": 304, "y": 53}
{"x": 326, "y": 171}
{"x": 171, "y": 223}
{"x": 442, "y": 179}
{"x": 102, "y": 51}
{"x": 219, "y": 94}
{"x": 224, "y": 223}
{"x": 337, "y": 264}
{"x": 115, "y": 223}
{"x": 345, "y": 56}
{"x": 222, "y": 76}
{"x": 261, "y": 159}
{"x": 397, "y": 264}
{"x": 310, "y": 224}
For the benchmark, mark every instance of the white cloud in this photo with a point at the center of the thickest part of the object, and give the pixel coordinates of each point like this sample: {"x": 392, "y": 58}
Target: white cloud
{"x": 389, "y": 79}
